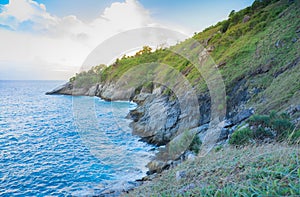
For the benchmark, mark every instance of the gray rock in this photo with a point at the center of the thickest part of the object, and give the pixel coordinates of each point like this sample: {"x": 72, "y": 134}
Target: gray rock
{"x": 190, "y": 156}
{"x": 243, "y": 115}
{"x": 224, "y": 134}
{"x": 293, "y": 109}
{"x": 279, "y": 44}
{"x": 294, "y": 40}
{"x": 92, "y": 91}
{"x": 156, "y": 119}
{"x": 246, "y": 18}
{"x": 63, "y": 89}
{"x": 156, "y": 166}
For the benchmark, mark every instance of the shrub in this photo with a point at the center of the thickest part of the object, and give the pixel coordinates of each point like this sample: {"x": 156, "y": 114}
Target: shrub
{"x": 257, "y": 120}
{"x": 224, "y": 26}
{"x": 195, "y": 145}
{"x": 282, "y": 127}
{"x": 241, "y": 137}
{"x": 262, "y": 133}
{"x": 278, "y": 123}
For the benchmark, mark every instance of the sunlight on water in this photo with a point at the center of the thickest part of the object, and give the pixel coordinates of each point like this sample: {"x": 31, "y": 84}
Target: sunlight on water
{"x": 45, "y": 149}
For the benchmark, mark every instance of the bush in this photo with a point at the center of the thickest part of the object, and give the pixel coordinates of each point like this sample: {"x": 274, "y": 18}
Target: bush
{"x": 224, "y": 26}
{"x": 241, "y": 137}
{"x": 195, "y": 145}
{"x": 257, "y": 120}
{"x": 262, "y": 133}
{"x": 283, "y": 128}
{"x": 267, "y": 126}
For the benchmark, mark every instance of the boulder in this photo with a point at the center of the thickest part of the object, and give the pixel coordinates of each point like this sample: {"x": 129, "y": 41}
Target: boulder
{"x": 243, "y": 115}
{"x": 246, "y": 19}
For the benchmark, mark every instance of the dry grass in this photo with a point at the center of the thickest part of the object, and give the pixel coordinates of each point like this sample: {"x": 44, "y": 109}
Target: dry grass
{"x": 265, "y": 170}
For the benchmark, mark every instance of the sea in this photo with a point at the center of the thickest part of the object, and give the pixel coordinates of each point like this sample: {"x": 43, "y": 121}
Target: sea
{"x": 58, "y": 145}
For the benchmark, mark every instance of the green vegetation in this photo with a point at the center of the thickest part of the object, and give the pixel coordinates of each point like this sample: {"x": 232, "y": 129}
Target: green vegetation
{"x": 196, "y": 144}
{"x": 266, "y": 170}
{"x": 271, "y": 126}
{"x": 241, "y": 137}
{"x": 258, "y": 44}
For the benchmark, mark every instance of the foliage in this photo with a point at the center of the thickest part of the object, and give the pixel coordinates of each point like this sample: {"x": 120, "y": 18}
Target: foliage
{"x": 244, "y": 46}
{"x": 196, "y": 144}
{"x": 241, "y": 137}
{"x": 266, "y": 170}
{"x": 278, "y": 123}
{"x": 266, "y": 126}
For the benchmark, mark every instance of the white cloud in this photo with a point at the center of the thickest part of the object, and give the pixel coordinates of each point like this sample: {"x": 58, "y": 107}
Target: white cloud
{"x": 50, "y": 44}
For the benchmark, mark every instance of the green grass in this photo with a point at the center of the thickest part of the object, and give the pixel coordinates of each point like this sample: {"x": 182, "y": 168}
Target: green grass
{"x": 246, "y": 48}
{"x": 267, "y": 170}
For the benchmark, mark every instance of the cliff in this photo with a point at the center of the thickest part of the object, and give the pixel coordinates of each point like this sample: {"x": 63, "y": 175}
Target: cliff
{"x": 255, "y": 52}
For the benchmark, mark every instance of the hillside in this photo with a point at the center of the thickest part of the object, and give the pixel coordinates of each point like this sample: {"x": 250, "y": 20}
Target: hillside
{"x": 254, "y": 57}
{"x": 268, "y": 170}
{"x": 257, "y": 48}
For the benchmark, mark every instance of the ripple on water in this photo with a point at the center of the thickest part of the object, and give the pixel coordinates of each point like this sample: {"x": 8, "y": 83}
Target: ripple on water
{"x": 42, "y": 152}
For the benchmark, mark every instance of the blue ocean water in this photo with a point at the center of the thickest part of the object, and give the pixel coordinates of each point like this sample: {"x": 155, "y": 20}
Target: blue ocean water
{"x": 64, "y": 145}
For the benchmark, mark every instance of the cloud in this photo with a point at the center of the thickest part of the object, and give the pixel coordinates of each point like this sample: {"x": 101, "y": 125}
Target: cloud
{"x": 33, "y": 40}
{"x": 30, "y": 35}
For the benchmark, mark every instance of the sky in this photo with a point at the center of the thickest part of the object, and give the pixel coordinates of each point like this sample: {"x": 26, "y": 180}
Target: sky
{"x": 50, "y": 39}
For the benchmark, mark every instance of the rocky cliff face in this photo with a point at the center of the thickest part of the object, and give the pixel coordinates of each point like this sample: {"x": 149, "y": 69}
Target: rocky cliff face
{"x": 159, "y": 117}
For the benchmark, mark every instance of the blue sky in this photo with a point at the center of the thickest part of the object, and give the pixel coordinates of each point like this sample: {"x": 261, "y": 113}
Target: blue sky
{"x": 193, "y": 14}
{"x": 50, "y": 39}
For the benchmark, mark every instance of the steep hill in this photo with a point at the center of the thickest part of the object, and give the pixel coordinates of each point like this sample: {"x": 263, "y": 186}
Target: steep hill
{"x": 254, "y": 57}
{"x": 208, "y": 87}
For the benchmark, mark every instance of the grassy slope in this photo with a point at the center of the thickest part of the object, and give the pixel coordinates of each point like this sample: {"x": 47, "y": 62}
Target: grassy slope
{"x": 246, "y": 47}
{"x": 267, "y": 170}
{"x": 250, "y": 52}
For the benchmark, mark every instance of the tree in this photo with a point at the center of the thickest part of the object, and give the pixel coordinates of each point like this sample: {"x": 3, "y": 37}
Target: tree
{"x": 231, "y": 13}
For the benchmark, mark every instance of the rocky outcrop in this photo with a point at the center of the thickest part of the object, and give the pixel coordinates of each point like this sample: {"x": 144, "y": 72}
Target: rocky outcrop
{"x": 156, "y": 118}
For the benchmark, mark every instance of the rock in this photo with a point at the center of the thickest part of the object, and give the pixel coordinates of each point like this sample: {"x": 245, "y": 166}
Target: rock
{"x": 224, "y": 134}
{"x": 279, "y": 44}
{"x": 180, "y": 175}
{"x": 296, "y": 121}
{"x": 92, "y": 91}
{"x": 293, "y": 109}
{"x": 135, "y": 114}
{"x": 119, "y": 188}
{"x": 287, "y": 67}
{"x": 140, "y": 98}
{"x": 63, "y": 89}
{"x": 298, "y": 30}
{"x": 156, "y": 119}
{"x": 294, "y": 40}
{"x": 206, "y": 41}
{"x": 149, "y": 177}
{"x": 228, "y": 123}
{"x": 201, "y": 129}
{"x": 186, "y": 188}
{"x": 210, "y": 49}
{"x": 190, "y": 156}
{"x": 221, "y": 64}
{"x": 156, "y": 166}
{"x": 246, "y": 18}
{"x": 242, "y": 115}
